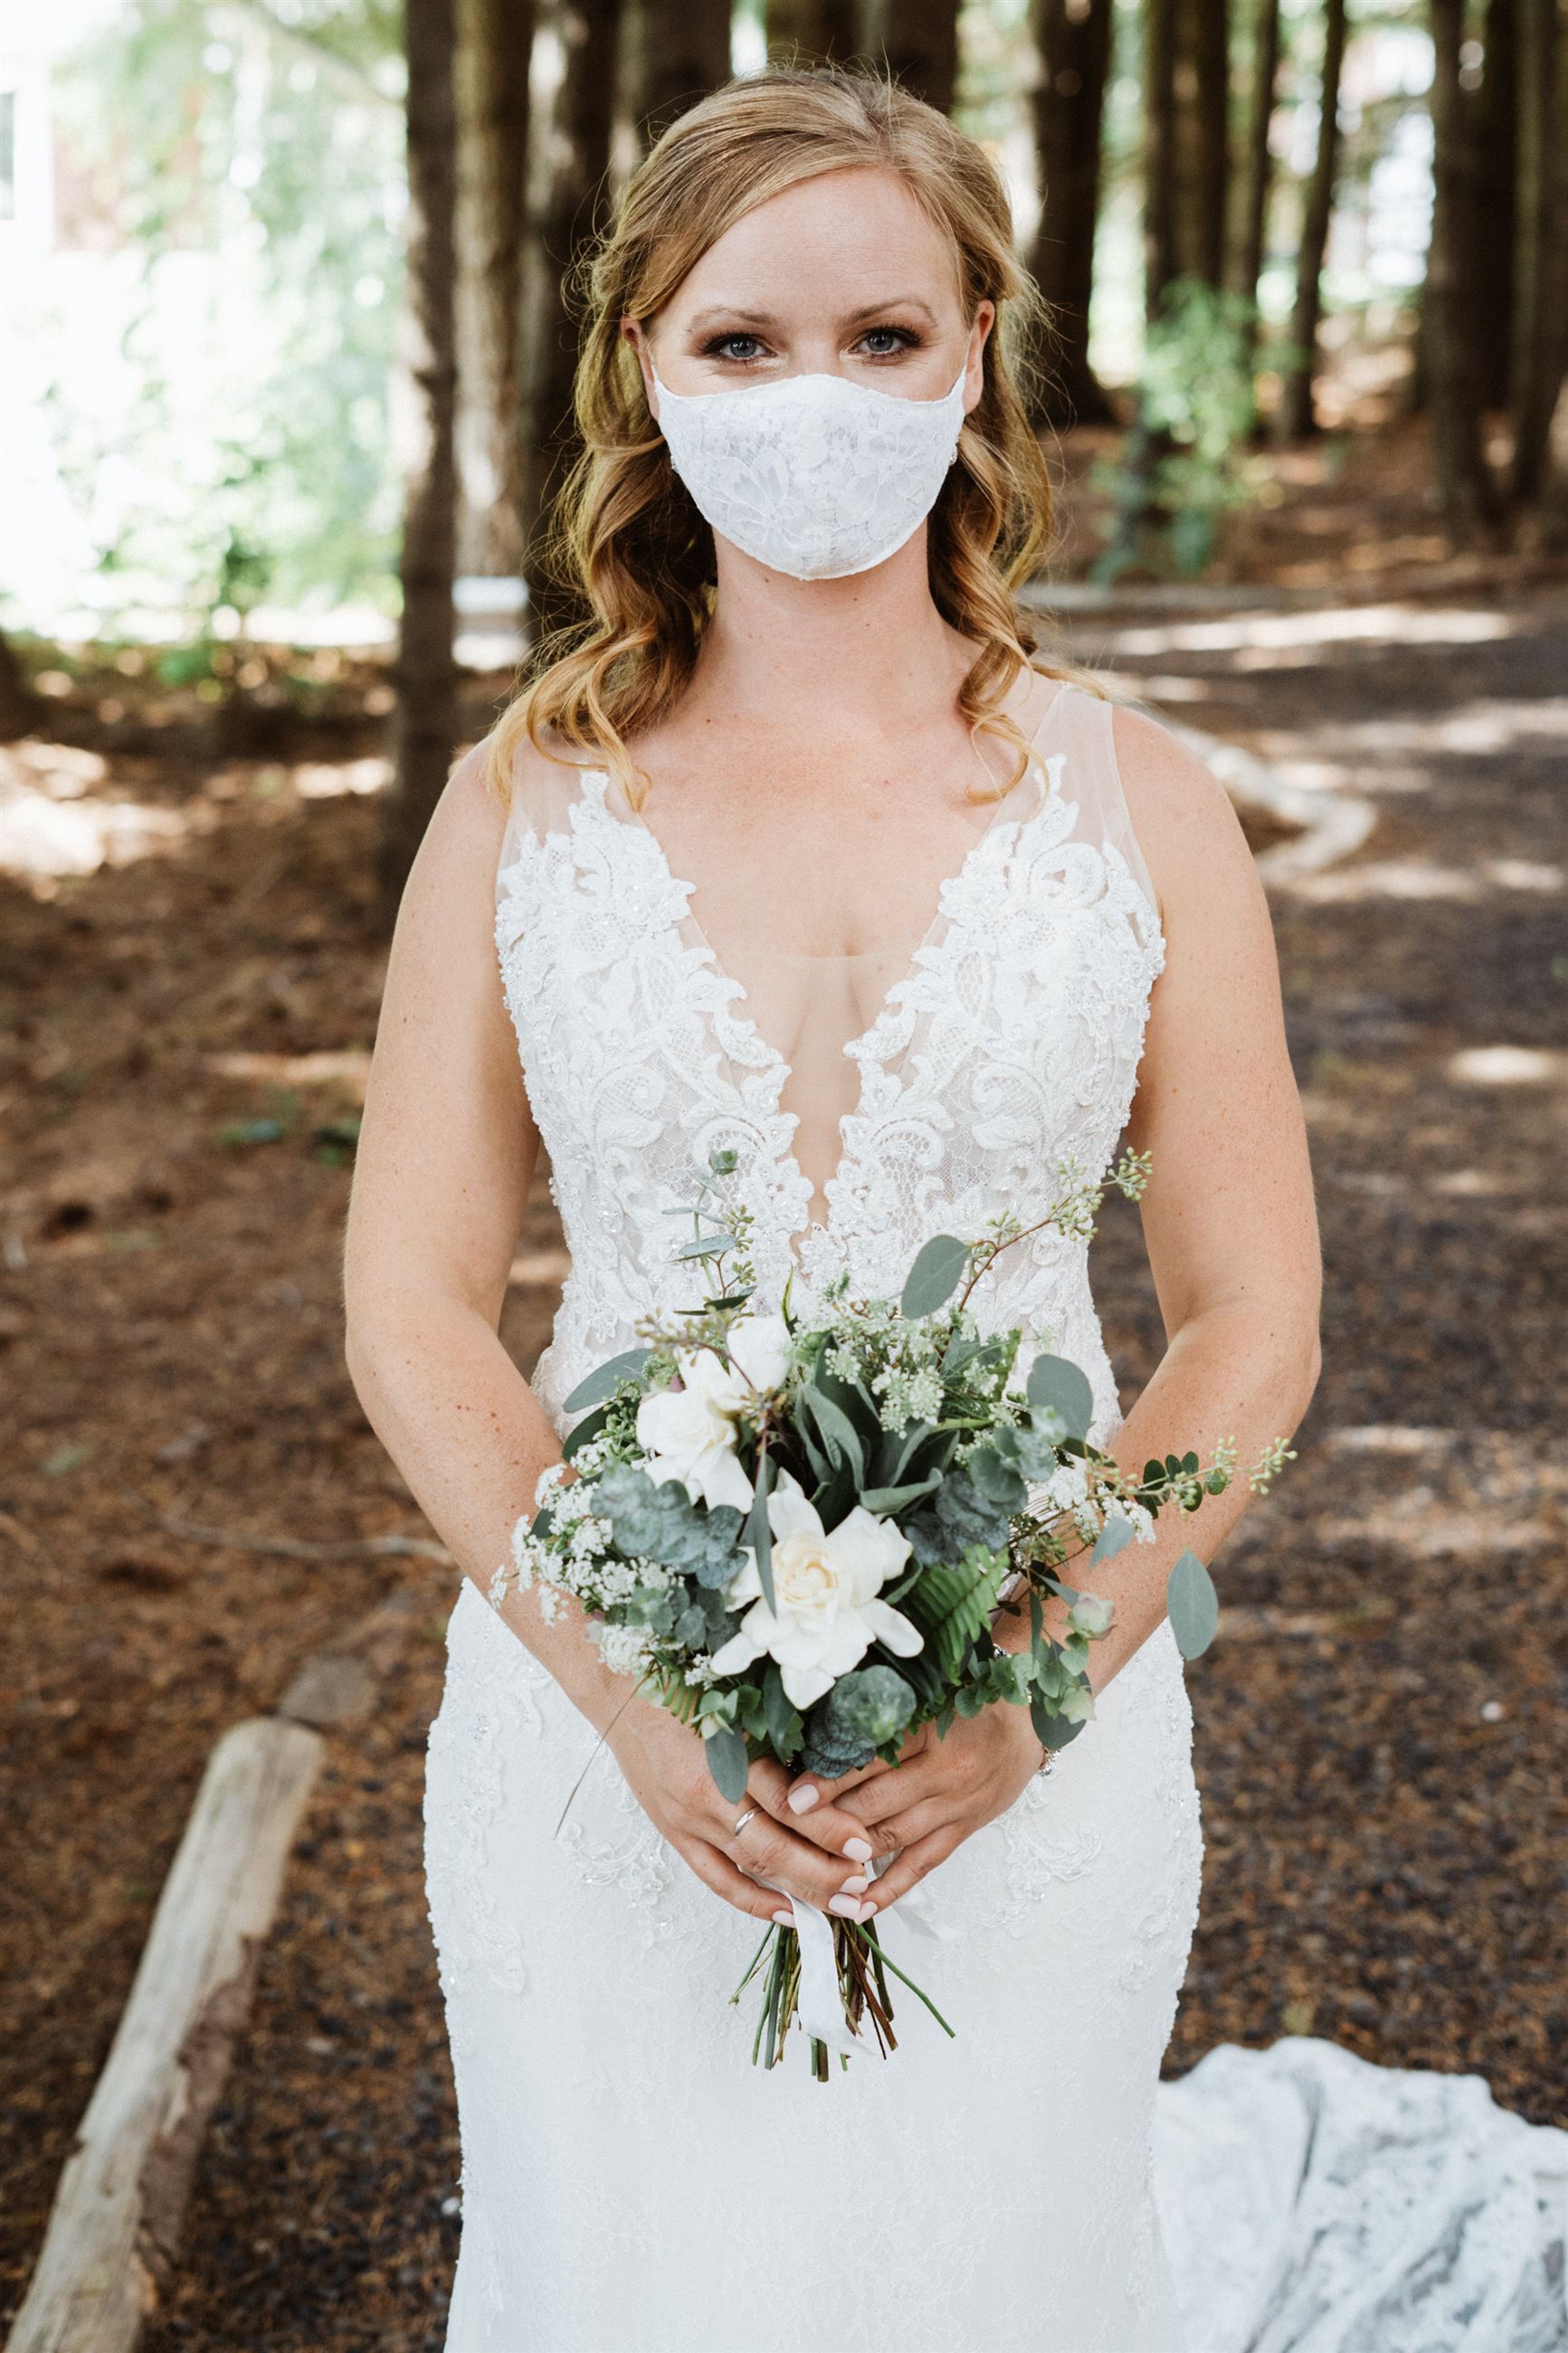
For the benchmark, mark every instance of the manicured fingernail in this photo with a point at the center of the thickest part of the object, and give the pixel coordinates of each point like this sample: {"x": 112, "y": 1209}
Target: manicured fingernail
{"x": 847, "y": 1906}
{"x": 855, "y": 1886}
{"x": 868, "y": 1911}
{"x": 802, "y": 1801}
{"x": 784, "y": 1919}
{"x": 857, "y": 1850}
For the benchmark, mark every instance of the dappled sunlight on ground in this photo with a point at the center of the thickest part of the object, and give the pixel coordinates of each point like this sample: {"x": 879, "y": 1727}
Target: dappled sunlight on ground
{"x": 66, "y": 811}
{"x": 1413, "y": 877}
{"x": 1250, "y": 639}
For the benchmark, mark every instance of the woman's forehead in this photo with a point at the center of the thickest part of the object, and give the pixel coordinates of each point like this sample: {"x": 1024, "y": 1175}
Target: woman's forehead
{"x": 848, "y": 238}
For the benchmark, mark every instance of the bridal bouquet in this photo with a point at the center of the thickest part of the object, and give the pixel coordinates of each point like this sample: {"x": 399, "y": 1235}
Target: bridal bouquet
{"x": 794, "y": 1532}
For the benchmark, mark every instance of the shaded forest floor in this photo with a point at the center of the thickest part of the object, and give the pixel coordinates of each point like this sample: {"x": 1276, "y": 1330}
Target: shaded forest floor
{"x": 184, "y": 1037}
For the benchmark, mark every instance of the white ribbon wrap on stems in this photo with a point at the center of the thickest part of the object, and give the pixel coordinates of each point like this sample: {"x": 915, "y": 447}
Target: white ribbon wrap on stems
{"x": 820, "y": 2003}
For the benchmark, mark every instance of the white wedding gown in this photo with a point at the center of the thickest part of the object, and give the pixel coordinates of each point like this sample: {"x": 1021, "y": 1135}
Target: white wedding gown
{"x": 630, "y": 2184}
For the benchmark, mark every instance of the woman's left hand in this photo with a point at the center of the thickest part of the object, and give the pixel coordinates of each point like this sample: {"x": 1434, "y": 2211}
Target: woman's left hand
{"x": 923, "y": 1809}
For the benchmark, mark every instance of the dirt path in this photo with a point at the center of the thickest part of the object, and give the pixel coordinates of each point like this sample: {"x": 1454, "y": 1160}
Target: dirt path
{"x": 1383, "y": 1793}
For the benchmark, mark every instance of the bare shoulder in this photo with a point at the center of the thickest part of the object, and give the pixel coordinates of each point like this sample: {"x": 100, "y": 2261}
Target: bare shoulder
{"x": 471, "y": 810}
{"x": 1183, "y": 819}
{"x": 470, "y": 817}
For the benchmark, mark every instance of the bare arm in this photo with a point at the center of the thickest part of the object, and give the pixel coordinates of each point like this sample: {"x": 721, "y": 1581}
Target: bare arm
{"x": 1229, "y": 1219}
{"x": 1231, "y": 1229}
{"x": 446, "y": 1153}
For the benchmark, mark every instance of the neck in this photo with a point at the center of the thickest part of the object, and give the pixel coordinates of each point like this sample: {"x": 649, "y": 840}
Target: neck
{"x": 860, "y": 655}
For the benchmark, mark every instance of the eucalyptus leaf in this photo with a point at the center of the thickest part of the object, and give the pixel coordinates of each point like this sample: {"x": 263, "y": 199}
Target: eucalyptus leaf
{"x": 711, "y": 1246}
{"x": 886, "y": 1500}
{"x": 865, "y": 1709}
{"x": 1114, "y": 1537}
{"x": 1036, "y": 1457}
{"x": 604, "y": 1383}
{"x": 780, "y": 1715}
{"x": 1052, "y": 1731}
{"x": 938, "y": 1271}
{"x": 895, "y": 1455}
{"x": 822, "y": 1470}
{"x": 837, "y": 1496}
{"x": 839, "y": 1433}
{"x": 759, "y": 1528}
{"x": 997, "y": 1480}
{"x": 1056, "y": 1387}
{"x": 728, "y": 1763}
{"x": 971, "y": 1516}
{"x": 662, "y": 1522}
{"x": 586, "y": 1430}
{"x": 690, "y": 1628}
{"x": 1193, "y": 1605}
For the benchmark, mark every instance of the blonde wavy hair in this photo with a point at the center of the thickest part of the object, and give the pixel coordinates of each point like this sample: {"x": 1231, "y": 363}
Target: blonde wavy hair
{"x": 624, "y": 532}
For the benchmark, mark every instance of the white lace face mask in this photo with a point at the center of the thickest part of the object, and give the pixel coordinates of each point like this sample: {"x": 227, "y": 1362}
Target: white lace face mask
{"x": 817, "y": 476}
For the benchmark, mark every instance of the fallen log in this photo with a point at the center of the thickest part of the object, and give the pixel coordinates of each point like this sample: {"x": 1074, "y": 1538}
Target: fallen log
{"x": 114, "y": 2232}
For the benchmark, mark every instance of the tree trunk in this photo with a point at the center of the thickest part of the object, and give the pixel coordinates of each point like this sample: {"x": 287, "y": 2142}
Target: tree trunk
{"x": 17, "y": 713}
{"x": 1540, "y": 353}
{"x": 1496, "y": 111}
{"x": 1202, "y": 136}
{"x": 677, "y": 55}
{"x": 1468, "y": 493}
{"x": 919, "y": 39}
{"x": 803, "y": 32}
{"x": 1185, "y": 142}
{"x": 1296, "y": 418}
{"x": 427, "y": 674}
{"x": 577, "y": 159}
{"x": 1072, "y": 40}
{"x": 1252, "y": 244}
{"x": 495, "y": 45}
{"x": 1160, "y": 260}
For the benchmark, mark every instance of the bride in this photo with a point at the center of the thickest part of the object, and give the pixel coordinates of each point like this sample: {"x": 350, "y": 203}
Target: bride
{"x": 802, "y": 851}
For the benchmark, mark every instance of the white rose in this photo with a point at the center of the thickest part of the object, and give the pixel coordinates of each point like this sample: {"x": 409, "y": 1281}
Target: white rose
{"x": 827, "y": 1590}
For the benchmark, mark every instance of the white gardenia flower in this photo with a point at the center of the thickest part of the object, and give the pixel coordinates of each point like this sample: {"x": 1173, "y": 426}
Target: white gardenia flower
{"x": 827, "y": 1589}
{"x": 689, "y": 1433}
{"x": 758, "y": 1347}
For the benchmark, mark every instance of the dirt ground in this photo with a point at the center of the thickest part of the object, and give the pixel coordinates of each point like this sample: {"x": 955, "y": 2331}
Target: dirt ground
{"x": 1378, "y": 1744}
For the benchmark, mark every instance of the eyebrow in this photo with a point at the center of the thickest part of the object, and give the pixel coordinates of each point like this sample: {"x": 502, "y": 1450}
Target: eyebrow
{"x": 735, "y": 313}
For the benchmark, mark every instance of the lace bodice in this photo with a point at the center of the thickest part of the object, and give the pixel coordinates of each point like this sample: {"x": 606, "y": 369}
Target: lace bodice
{"x": 1010, "y": 1042}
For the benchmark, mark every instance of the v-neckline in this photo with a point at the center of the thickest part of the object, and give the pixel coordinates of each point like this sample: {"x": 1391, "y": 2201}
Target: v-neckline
{"x": 1043, "y": 768}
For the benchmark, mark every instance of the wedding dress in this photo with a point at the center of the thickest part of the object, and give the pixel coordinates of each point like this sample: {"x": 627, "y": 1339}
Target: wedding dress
{"x": 630, "y": 2184}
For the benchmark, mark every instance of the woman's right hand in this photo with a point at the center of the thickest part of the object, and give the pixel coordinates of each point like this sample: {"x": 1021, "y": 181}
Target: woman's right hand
{"x": 665, "y": 1768}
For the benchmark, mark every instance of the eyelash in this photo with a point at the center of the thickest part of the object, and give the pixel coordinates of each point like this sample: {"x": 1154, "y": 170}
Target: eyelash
{"x": 909, "y": 339}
